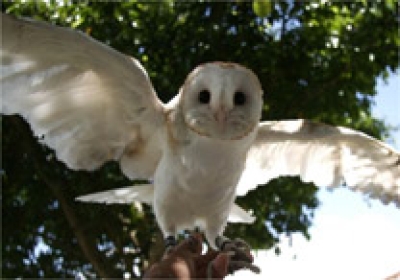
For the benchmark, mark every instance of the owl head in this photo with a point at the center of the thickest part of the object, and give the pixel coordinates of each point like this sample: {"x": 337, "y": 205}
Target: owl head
{"x": 221, "y": 100}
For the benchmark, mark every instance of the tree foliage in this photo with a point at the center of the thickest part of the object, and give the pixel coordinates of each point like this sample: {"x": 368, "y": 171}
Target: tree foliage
{"x": 315, "y": 59}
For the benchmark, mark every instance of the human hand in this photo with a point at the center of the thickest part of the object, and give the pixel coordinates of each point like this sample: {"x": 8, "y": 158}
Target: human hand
{"x": 186, "y": 261}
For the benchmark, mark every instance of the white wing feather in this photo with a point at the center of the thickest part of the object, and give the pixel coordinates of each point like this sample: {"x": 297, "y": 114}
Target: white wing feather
{"x": 126, "y": 195}
{"x": 325, "y": 155}
{"x": 239, "y": 215}
{"x": 145, "y": 194}
{"x": 85, "y": 100}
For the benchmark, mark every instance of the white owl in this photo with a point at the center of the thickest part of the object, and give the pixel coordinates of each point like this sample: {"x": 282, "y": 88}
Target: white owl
{"x": 92, "y": 104}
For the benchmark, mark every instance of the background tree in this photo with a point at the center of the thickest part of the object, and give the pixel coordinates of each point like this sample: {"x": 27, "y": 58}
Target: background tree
{"x": 315, "y": 59}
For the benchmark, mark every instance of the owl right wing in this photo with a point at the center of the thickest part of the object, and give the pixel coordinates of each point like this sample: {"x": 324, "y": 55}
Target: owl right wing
{"x": 325, "y": 155}
{"x": 88, "y": 102}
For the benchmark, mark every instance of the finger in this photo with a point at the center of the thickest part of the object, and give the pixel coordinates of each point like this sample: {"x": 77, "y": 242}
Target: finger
{"x": 218, "y": 268}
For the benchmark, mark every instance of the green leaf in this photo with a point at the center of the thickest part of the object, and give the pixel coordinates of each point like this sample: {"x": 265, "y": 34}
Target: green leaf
{"x": 262, "y": 8}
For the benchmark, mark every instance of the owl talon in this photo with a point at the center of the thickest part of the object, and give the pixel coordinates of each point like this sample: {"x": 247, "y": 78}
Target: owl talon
{"x": 170, "y": 243}
{"x": 240, "y": 256}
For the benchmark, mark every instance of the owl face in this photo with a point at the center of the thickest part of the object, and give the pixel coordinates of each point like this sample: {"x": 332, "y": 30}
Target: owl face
{"x": 221, "y": 100}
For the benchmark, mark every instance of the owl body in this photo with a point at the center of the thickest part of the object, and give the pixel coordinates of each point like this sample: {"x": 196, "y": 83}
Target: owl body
{"x": 195, "y": 181}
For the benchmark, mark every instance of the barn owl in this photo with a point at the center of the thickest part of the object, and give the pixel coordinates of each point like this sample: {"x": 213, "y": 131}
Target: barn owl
{"x": 92, "y": 104}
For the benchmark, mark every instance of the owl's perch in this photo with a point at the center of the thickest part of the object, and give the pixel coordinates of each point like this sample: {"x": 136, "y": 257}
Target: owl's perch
{"x": 186, "y": 261}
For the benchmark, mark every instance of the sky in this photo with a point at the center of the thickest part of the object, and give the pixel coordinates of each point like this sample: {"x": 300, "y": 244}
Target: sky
{"x": 351, "y": 237}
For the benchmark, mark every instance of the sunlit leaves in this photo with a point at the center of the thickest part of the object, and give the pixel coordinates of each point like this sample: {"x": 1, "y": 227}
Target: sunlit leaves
{"x": 262, "y": 8}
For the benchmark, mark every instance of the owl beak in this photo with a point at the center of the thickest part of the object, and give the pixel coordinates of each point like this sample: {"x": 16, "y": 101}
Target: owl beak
{"x": 220, "y": 116}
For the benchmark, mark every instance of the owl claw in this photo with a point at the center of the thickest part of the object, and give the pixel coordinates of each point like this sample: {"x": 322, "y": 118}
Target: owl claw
{"x": 170, "y": 243}
{"x": 239, "y": 252}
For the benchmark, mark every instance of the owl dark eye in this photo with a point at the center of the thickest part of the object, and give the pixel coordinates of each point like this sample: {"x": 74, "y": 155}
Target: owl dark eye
{"x": 239, "y": 98}
{"x": 204, "y": 97}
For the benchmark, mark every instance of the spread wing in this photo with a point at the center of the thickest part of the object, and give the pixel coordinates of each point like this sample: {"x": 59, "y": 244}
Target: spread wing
{"x": 82, "y": 98}
{"x": 325, "y": 155}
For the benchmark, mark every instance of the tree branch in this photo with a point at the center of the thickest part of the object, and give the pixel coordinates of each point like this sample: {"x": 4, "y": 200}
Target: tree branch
{"x": 56, "y": 186}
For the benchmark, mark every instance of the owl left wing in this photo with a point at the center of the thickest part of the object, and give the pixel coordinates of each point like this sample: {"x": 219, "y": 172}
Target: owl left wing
{"x": 324, "y": 155}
